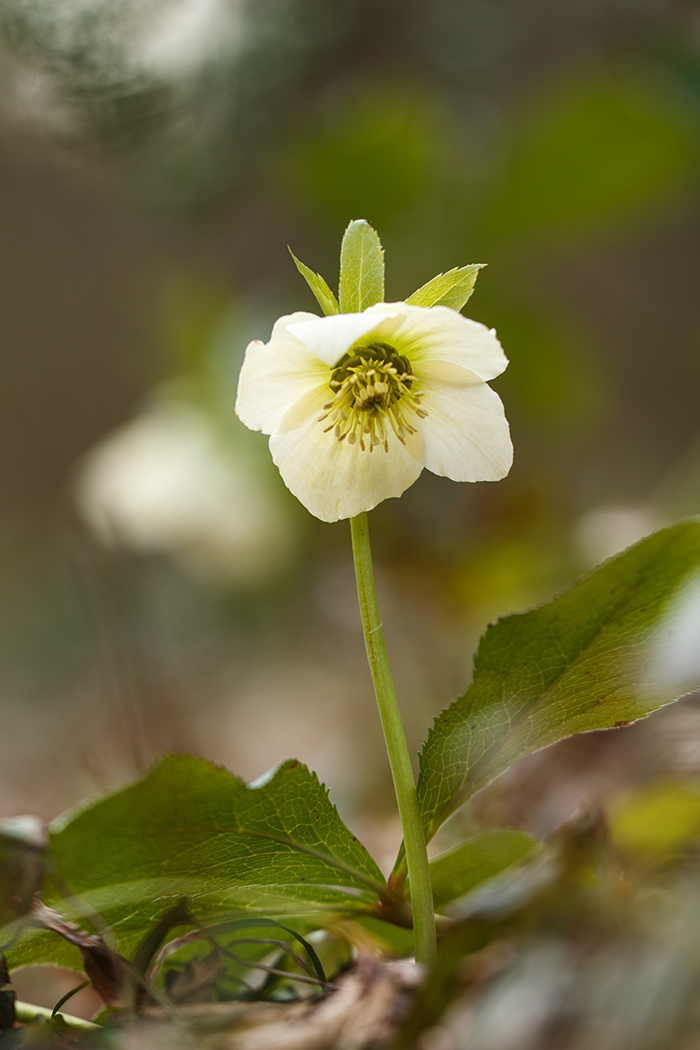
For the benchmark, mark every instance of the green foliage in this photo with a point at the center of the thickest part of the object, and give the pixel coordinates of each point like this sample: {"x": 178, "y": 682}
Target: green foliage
{"x": 460, "y": 869}
{"x": 659, "y": 820}
{"x": 324, "y": 296}
{"x": 386, "y": 936}
{"x": 223, "y": 958}
{"x": 190, "y": 828}
{"x": 240, "y": 854}
{"x": 361, "y": 268}
{"x": 193, "y": 313}
{"x": 448, "y": 289}
{"x": 596, "y": 150}
{"x": 553, "y": 377}
{"x": 576, "y": 664}
{"x": 367, "y": 151}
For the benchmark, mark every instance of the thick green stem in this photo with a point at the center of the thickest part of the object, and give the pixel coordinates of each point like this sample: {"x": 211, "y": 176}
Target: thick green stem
{"x": 397, "y": 748}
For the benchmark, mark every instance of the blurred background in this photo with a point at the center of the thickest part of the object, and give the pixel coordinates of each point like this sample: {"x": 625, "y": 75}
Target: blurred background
{"x": 159, "y": 588}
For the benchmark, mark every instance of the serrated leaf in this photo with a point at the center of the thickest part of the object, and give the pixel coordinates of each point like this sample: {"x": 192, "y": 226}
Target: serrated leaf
{"x": 191, "y": 829}
{"x": 459, "y": 870}
{"x": 361, "y": 268}
{"x": 579, "y": 663}
{"x": 448, "y": 289}
{"x": 324, "y": 296}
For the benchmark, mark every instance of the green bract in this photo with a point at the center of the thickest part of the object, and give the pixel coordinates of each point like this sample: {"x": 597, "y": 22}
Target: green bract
{"x": 361, "y": 268}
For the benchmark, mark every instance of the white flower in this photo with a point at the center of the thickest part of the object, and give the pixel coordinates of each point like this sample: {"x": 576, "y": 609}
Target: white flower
{"x": 166, "y": 482}
{"x": 357, "y": 404}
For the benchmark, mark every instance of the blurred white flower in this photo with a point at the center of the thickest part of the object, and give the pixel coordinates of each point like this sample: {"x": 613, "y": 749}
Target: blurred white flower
{"x": 357, "y": 404}
{"x": 604, "y": 531}
{"x": 167, "y": 482}
{"x": 182, "y": 35}
{"x": 674, "y": 660}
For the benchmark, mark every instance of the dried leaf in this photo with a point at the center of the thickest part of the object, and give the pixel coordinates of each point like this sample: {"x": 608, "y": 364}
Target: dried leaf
{"x": 23, "y": 843}
{"x": 195, "y": 982}
{"x": 107, "y": 970}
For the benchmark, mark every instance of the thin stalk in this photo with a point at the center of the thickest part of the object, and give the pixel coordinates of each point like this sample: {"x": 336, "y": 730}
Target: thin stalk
{"x": 28, "y": 1012}
{"x": 397, "y": 748}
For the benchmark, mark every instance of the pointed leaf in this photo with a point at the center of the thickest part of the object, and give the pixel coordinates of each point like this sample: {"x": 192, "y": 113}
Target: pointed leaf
{"x": 361, "y": 268}
{"x": 191, "y": 829}
{"x": 583, "y": 661}
{"x": 458, "y": 870}
{"x": 448, "y": 289}
{"x": 324, "y": 296}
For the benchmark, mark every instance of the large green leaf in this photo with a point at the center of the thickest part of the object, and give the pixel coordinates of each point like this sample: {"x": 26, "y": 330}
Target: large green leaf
{"x": 361, "y": 268}
{"x": 191, "y": 829}
{"x": 448, "y": 289}
{"x": 581, "y": 662}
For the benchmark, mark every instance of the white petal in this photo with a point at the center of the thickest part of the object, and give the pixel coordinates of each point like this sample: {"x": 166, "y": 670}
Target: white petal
{"x": 306, "y": 408}
{"x": 439, "y": 333}
{"x": 275, "y": 376}
{"x": 335, "y": 480}
{"x": 465, "y": 433}
{"x": 281, "y": 325}
{"x": 331, "y": 337}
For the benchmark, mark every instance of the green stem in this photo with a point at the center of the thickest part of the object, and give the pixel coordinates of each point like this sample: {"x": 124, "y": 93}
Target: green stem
{"x": 397, "y": 748}
{"x": 28, "y": 1012}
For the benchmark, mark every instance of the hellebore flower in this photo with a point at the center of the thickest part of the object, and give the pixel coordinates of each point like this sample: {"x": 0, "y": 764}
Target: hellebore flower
{"x": 357, "y": 404}
{"x": 169, "y": 481}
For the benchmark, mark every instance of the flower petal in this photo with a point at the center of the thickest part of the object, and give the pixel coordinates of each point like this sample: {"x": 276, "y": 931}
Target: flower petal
{"x": 306, "y": 408}
{"x": 465, "y": 433}
{"x": 331, "y": 337}
{"x": 439, "y": 333}
{"x": 275, "y": 375}
{"x": 335, "y": 480}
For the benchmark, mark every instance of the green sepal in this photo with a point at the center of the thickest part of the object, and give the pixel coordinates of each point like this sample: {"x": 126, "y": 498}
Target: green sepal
{"x": 361, "y": 268}
{"x": 451, "y": 289}
{"x": 324, "y": 296}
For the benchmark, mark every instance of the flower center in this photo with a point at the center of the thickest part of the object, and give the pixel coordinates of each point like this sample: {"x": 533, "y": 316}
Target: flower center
{"x": 372, "y": 392}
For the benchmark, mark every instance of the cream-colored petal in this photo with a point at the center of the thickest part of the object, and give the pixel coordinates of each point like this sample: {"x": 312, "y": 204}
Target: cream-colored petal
{"x": 307, "y": 407}
{"x": 282, "y": 324}
{"x": 331, "y": 337}
{"x": 336, "y": 480}
{"x": 441, "y": 334}
{"x": 275, "y": 376}
{"x": 465, "y": 433}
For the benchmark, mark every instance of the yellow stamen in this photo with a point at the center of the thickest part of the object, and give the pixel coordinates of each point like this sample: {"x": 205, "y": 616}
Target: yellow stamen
{"x": 373, "y": 396}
